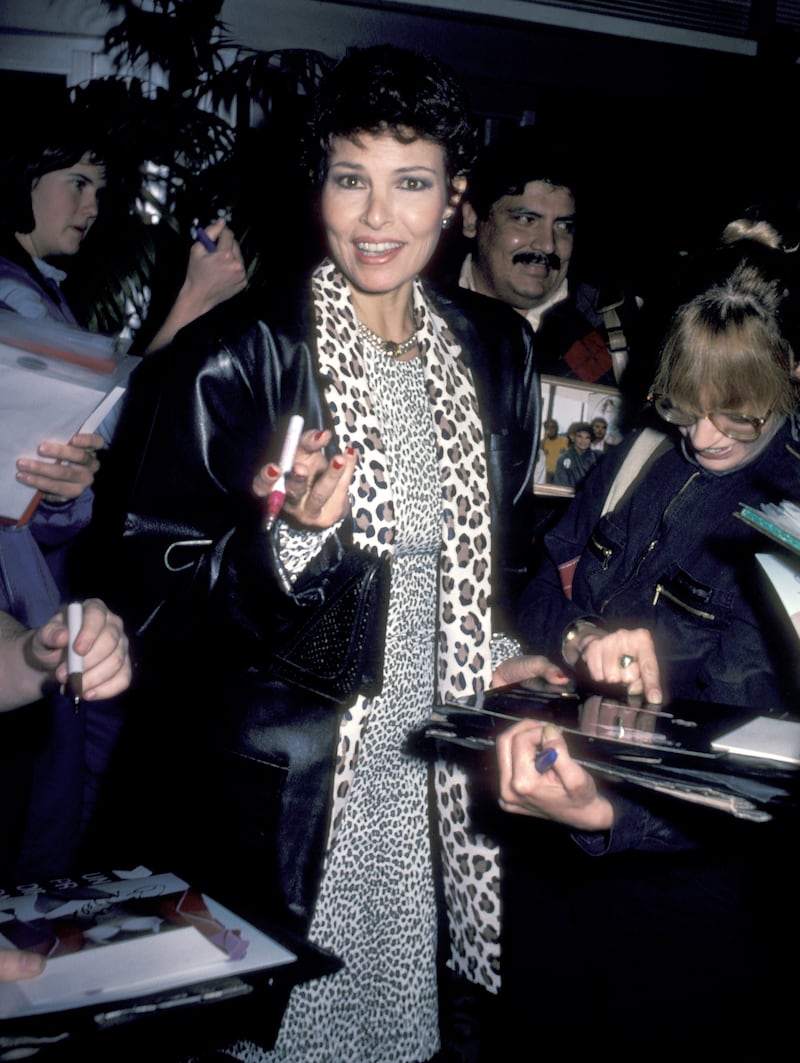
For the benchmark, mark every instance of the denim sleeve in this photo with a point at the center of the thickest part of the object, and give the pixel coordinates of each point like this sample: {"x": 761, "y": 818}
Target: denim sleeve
{"x": 23, "y": 299}
{"x": 54, "y": 523}
{"x": 641, "y": 828}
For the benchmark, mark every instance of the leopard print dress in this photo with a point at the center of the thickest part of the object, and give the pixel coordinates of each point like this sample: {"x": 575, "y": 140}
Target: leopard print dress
{"x": 376, "y": 908}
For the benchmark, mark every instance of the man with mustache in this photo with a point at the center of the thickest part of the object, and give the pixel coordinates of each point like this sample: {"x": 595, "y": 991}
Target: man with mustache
{"x": 519, "y": 212}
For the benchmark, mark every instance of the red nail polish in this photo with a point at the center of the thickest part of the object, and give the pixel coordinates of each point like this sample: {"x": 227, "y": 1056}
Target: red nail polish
{"x": 350, "y": 451}
{"x": 273, "y": 471}
{"x": 337, "y": 463}
{"x": 318, "y": 435}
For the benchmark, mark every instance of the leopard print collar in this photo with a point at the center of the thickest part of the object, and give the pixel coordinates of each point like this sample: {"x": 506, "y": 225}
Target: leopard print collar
{"x": 464, "y": 627}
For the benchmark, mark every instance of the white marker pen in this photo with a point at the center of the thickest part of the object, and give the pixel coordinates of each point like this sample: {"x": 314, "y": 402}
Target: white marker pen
{"x": 74, "y": 660}
{"x": 277, "y": 495}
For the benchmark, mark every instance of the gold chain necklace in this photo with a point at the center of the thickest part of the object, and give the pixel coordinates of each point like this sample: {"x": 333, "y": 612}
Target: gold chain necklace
{"x": 387, "y": 347}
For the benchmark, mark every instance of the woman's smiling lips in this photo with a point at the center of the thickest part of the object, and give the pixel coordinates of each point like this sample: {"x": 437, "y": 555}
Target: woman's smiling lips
{"x": 376, "y": 252}
{"x": 712, "y": 454}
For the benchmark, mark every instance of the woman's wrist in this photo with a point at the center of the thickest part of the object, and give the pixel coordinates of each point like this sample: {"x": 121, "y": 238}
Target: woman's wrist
{"x": 577, "y": 636}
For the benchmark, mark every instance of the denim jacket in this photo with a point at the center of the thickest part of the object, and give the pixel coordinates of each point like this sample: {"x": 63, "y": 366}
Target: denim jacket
{"x": 673, "y": 557}
{"x": 31, "y": 588}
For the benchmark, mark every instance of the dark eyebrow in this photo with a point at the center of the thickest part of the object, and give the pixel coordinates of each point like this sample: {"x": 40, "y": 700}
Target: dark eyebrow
{"x": 526, "y": 212}
{"x": 400, "y": 169}
{"x": 83, "y": 177}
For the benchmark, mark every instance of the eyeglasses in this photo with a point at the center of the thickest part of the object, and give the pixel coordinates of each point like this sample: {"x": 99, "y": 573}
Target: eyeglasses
{"x": 733, "y": 425}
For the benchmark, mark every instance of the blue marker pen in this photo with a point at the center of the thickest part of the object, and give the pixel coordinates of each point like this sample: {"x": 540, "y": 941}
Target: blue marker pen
{"x": 204, "y": 239}
{"x": 545, "y": 760}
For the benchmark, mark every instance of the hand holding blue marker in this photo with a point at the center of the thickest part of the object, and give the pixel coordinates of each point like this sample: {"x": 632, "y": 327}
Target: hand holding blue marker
{"x": 203, "y": 238}
{"x": 545, "y": 759}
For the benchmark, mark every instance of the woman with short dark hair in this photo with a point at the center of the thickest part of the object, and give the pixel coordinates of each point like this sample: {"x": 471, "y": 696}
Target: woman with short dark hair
{"x": 421, "y": 428}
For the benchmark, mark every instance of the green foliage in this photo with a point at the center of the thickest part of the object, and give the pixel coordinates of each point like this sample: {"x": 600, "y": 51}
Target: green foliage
{"x": 211, "y": 115}
{"x": 183, "y": 38}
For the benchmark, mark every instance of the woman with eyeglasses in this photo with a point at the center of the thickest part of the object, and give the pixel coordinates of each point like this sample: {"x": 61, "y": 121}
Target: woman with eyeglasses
{"x": 661, "y": 589}
{"x": 645, "y": 915}
{"x": 662, "y": 916}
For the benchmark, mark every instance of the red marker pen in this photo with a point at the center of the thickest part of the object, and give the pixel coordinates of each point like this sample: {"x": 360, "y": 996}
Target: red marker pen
{"x": 277, "y": 495}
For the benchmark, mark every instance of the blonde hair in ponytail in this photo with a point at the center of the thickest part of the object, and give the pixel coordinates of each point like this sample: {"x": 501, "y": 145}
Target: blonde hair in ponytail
{"x": 726, "y": 348}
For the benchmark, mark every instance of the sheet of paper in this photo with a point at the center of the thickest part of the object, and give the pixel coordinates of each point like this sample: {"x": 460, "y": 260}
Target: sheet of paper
{"x": 767, "y": 737}
{"x": 139, "y": 966}
{"x": 783, "y": 572}
{"x": 123, "y": 970}
{"x": 38, "y": 404}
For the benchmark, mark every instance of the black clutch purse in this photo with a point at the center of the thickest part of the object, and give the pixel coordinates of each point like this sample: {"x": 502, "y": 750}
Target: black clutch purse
{"x": 334, "y": 644}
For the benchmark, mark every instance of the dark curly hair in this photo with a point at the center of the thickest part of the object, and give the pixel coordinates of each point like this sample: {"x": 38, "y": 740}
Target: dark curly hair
{"x": 515, "y": 159}
{"x": 385, "y": 88}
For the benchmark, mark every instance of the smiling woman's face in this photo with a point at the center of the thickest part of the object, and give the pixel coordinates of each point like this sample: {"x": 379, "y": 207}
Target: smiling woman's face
{"x": 717, "y": 452}
{"x": 383, "y": 203}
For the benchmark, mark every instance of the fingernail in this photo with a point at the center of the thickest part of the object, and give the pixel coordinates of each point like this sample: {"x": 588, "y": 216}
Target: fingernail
{"x": 350, "y": 451}
{"x": 318, "y": 435}
{"x": 31, "y": 962}
{"x": 550, "y": 731}
{"x": 337, "y": 463}
{"x": 560, "y": 675}
{"x": 273, "y": 471}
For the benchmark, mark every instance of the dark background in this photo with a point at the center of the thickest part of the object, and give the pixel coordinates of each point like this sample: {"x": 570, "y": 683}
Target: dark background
{"x": 676, "y": 139}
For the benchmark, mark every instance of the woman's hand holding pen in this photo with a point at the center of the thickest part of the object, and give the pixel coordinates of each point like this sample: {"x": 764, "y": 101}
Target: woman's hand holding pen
{"x": 317, "y": 489}
{"x": 101, "y": 642}
{"x": 215, "y": 272}
{"x": 212, "y": 277}
{"x": 70, "y": 470}
{"x": 564, "y": 791}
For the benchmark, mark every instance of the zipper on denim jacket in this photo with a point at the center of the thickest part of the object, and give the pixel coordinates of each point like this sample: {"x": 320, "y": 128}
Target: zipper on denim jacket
{"x": 604, "y": 551}
{"x": 661, "y": 589}
{"x": 649, "y": 549}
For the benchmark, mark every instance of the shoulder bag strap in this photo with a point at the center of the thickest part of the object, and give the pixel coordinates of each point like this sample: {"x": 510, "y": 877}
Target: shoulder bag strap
{"x": 643, "y": 449}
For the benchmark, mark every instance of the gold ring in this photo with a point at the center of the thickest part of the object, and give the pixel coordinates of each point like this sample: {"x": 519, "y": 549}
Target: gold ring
{"x": 626, "y": 660}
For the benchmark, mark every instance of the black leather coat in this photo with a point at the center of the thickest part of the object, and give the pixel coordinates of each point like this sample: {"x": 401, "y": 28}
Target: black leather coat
{"x": 193, "y": 580}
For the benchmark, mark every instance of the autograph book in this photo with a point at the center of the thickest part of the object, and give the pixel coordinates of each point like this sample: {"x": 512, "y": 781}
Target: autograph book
{"x": 781, "y": 522}
{"x": 55, "y": 380}
{"x": 672, "y": 749}
{"x": 112, "y": 938}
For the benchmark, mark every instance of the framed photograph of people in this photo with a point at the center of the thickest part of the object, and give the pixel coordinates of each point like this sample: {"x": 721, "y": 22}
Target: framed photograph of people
{"x": 566, "y": 402}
